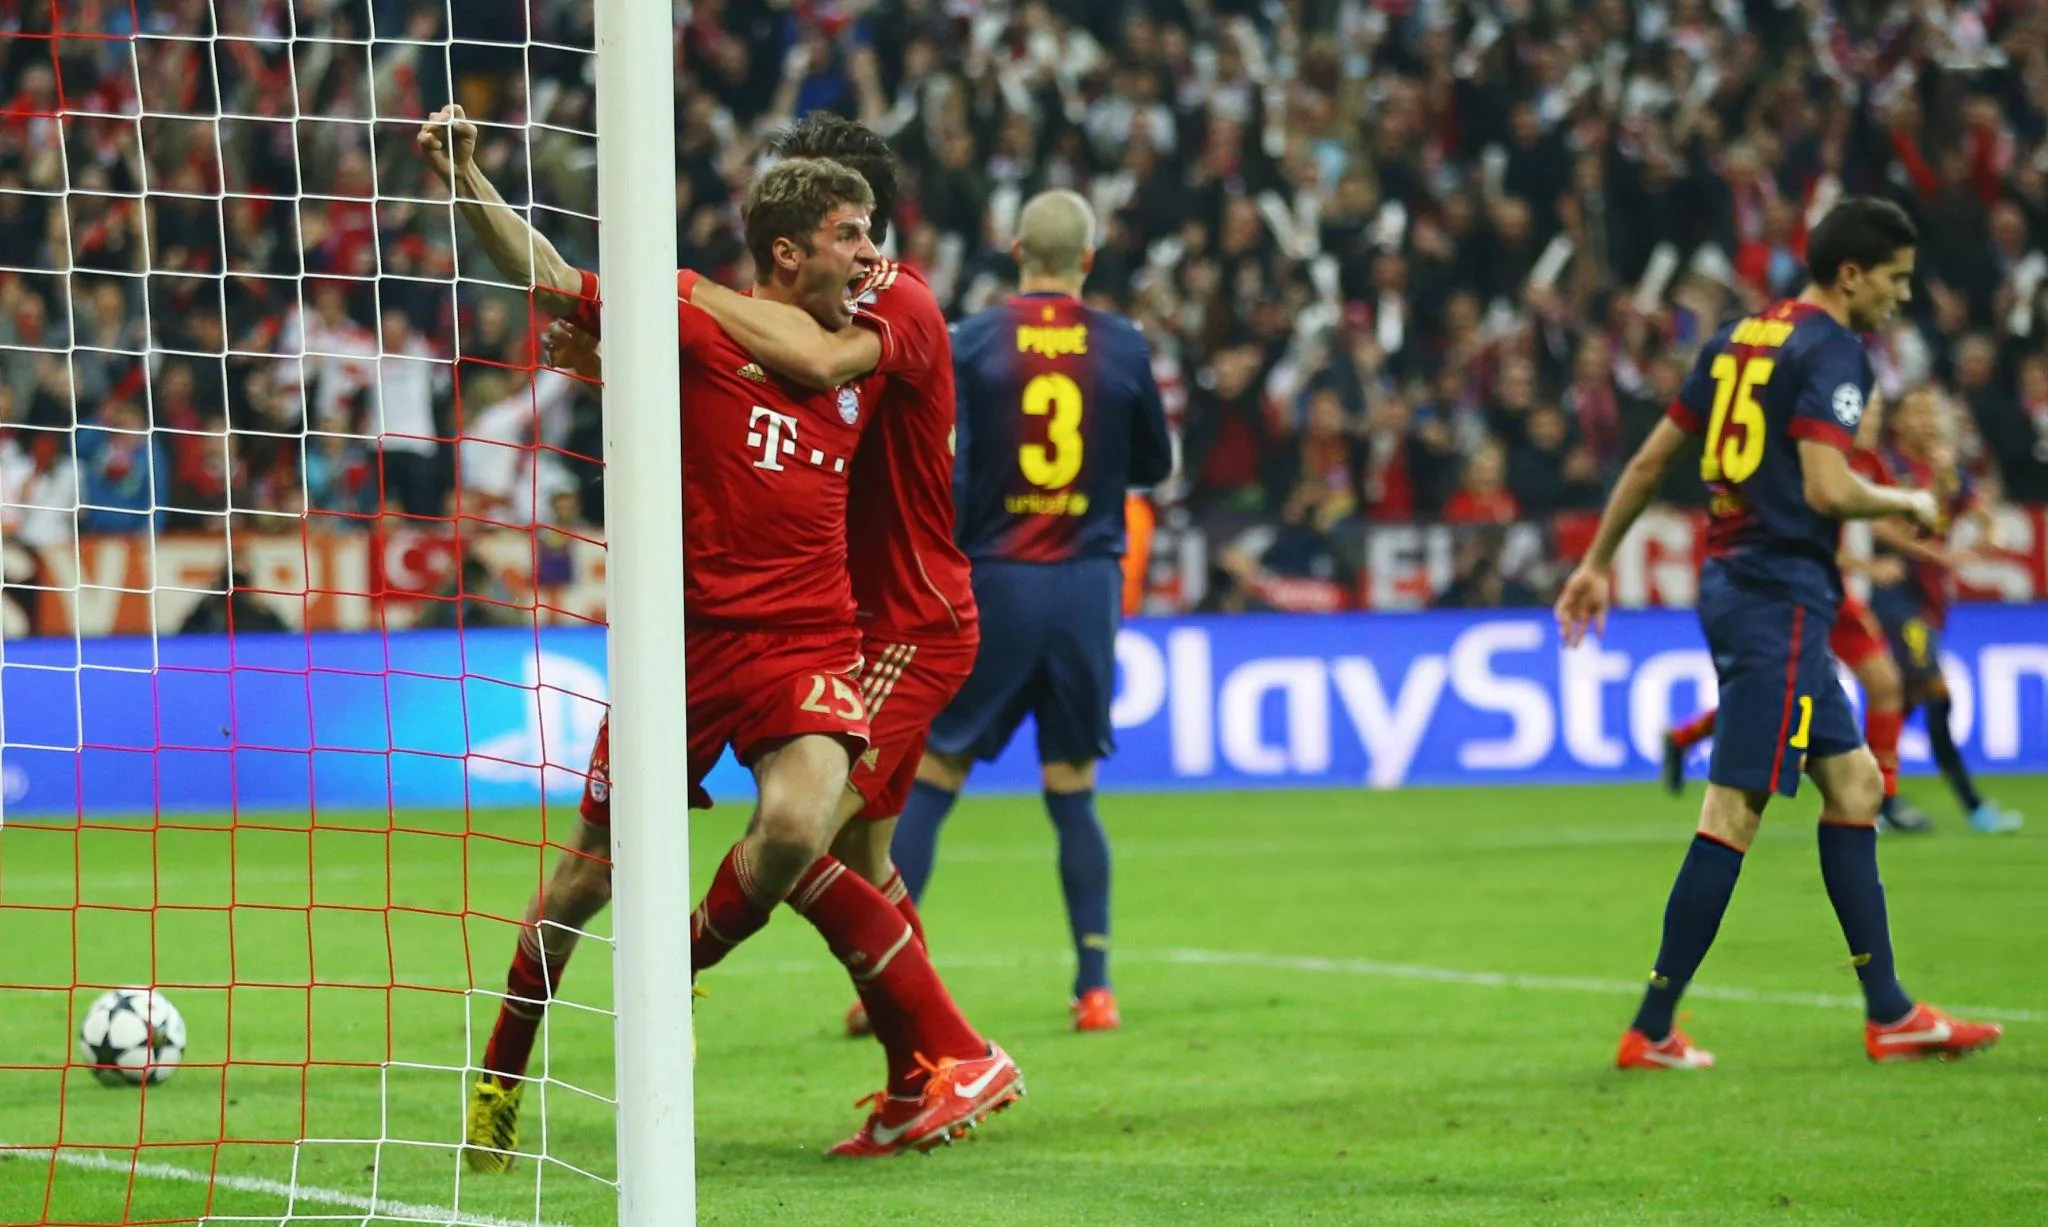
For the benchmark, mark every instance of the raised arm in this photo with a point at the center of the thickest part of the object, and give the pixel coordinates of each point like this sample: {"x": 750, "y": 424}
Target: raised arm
{"x": 519, "y": 252}
{"x": 789, "y": 340}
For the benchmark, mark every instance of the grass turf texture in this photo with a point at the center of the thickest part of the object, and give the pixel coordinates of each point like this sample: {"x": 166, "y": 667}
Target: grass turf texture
{"x": 1301, "y": 1042}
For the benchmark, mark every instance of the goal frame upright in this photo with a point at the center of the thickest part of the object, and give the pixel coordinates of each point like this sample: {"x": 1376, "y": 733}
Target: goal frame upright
{"x": 649, "y": 772}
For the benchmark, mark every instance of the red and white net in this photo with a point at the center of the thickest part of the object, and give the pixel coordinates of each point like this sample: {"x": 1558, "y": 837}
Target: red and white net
{"x": 303, "y": 608}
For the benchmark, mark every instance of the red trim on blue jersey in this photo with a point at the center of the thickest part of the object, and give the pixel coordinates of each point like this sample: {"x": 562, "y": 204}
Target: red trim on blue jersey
{"x": 1822, "y": 432}
{"x": 1791, "y": 694}
{"x": 1683, "y": 417}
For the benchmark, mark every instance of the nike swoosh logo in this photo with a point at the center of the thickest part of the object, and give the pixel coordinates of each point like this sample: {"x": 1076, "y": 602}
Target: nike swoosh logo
{"x": 973, "y": 1090}
{"x": 885, "y": 1136}
{"x": 1938, "y": 1033}
{"x": 1669, "y": 1062}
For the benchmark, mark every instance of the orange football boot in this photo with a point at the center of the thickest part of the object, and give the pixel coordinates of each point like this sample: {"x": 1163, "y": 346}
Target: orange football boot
{"x": 1095, "y": 1010}
{"x": 1674, "y": 1051}
{"x": 959, "y": 1095}
{"x": 1927, "y": 1032}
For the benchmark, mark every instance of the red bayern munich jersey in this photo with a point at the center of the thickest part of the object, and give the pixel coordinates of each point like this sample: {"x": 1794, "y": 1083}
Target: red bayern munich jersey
{"x": 765, "y": 471}
{"x": 910, "y": 579}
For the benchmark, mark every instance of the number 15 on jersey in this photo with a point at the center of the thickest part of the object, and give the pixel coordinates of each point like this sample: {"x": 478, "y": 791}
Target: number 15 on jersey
{"x": 1734, "y": 457}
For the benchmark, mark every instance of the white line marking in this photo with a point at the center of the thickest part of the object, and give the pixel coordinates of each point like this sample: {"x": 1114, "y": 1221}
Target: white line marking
{"x": 378, "y": 1208}
{"x": 1385, "y": 971}
{"x": 1554, "y": 984}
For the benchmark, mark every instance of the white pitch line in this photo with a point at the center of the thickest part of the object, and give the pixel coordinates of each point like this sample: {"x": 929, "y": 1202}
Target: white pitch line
{"x": 1380, "y": 970}
{"x": 1539, "y": 983}
{"x": 382, "y": 1208}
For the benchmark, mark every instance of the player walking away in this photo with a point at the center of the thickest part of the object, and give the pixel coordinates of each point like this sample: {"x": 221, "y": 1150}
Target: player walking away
{"x": 1858, "y": 642}
{"x": 919, "y": 624}
{"x": 1059, "y": 416}
{"x": 771, "y": 645}
{"x": 1913, "y": 604}
{"x": 1778, "y": 396}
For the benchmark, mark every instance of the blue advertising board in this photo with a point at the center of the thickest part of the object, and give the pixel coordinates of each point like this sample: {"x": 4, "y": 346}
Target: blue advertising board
{"x": 493, "y": 718}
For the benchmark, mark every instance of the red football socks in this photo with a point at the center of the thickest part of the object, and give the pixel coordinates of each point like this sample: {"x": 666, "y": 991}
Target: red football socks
{"x": 534, "y": 978}
{"x": 1881, "y": 730}
{"x": 898, "y": 896}
{"x": 728, "y": 915}
{"x": 1695, "y": 731}
{"x": 912, "y": 1013}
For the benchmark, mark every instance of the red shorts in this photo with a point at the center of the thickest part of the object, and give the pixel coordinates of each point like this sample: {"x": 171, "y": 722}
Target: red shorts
{"x": 747, "y": 689}
{"x": 906, "y": 686}
{"x": 1856, "y": 638}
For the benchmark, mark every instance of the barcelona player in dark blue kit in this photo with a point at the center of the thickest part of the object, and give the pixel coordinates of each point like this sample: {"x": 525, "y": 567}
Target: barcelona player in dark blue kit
{"x": 1058, "y": 417}
{"x": 1777, "y": 397}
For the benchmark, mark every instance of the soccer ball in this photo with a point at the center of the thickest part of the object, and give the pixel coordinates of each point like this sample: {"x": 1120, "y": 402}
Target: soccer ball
{"x": 132, "y": 1036}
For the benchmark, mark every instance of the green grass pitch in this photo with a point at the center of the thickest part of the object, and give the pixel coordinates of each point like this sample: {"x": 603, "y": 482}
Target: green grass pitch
{"x": 1340, "y": 1007}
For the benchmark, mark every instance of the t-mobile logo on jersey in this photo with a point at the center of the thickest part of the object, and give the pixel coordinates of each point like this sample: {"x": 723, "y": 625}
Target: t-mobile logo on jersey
{"x": 774, "y": 433}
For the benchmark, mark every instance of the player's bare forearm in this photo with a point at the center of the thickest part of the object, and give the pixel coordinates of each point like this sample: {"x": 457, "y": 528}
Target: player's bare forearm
{"x": 519, "y": 252}
{"x": 1634, "y": 492}
{"x": 789, "y": 340}
{"x": 1836, "y": 491}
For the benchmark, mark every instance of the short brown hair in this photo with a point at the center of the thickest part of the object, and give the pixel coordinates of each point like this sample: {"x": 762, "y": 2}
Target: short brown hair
{"x": 790, "y": 201}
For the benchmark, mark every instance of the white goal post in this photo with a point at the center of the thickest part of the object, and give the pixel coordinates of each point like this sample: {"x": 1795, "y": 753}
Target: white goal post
{"x": 644, "y": 525}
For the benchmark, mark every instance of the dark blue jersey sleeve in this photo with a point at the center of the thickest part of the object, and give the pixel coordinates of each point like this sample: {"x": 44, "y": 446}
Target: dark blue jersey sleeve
{"x": 1834, "y": 386}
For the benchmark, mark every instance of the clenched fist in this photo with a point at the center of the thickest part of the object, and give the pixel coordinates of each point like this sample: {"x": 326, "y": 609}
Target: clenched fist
{"x": 448, "y": 140}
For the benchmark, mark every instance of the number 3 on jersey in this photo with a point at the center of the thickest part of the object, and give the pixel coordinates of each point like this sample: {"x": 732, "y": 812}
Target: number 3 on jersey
{"x": 1735, "y": 458}
{"x": 1055, "y": 463}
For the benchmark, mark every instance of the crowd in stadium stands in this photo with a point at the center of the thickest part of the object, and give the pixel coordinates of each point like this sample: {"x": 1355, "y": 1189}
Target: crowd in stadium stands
{"x": 1400, "y": 260}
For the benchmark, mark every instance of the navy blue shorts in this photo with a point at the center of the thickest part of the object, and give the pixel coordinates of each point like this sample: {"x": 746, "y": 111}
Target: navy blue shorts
{"x": 1781, "y": 699}
{"x": 1915, "y": 644}
{"x": 1048, "y": 649}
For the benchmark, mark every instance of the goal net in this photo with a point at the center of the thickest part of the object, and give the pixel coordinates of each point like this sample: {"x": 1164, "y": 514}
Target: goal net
{"x": 305, "y": 591}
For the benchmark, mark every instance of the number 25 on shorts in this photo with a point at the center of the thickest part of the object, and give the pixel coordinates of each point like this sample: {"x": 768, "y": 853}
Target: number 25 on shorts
{"x": 844, "y": 702}
{"x": 1735, "y": 386}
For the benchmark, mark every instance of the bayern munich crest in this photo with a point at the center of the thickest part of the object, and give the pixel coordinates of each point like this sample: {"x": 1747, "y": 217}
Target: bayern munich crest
{"x": 849, "y": 406}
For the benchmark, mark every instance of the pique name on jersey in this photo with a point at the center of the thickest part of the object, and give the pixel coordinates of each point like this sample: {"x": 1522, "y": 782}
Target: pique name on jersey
{"x": 1052, "y": 342}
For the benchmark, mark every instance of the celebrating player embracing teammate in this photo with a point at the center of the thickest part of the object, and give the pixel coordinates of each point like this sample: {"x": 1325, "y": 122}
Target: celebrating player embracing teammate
{"x": 1778, "y": 396}
{"x": 774, "y": 656}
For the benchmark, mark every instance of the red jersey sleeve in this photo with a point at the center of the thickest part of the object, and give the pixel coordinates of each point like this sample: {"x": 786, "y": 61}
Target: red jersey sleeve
{"x": 690, "y": 322}
{"x": 899, "y": 306}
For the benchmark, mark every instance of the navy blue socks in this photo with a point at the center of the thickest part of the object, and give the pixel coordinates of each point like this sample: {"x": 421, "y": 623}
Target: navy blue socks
{"x": 1848, "y": 864}
{"x": 1084, "y": 879}
{"x": 1692, "y": 916}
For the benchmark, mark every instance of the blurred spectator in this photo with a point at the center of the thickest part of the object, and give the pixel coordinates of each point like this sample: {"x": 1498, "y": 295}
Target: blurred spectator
{"x": 410, "y": 383}
{"x": 123, "y": 473}
{"x": 1484, "y": 498}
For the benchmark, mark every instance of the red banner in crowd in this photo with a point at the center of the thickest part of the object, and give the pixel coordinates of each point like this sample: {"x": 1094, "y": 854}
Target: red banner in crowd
{"x": 404, "y": 577}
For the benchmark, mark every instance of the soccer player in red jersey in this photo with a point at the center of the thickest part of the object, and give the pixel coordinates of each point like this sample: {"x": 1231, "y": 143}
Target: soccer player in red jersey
{"x": 919, "y": 623}
{"x": 1857, "y": 641}
{"x": 773, "y": 653}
